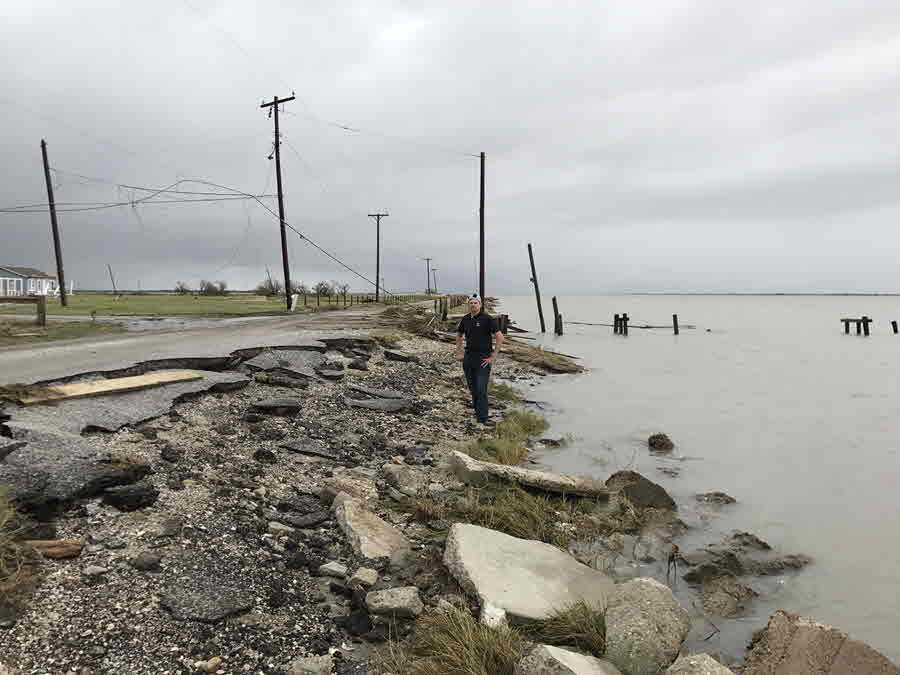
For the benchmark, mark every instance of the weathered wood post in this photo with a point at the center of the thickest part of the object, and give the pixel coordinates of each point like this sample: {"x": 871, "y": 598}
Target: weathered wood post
{"x": 865, "y": 323}
{"x": 894, "y": 326}
{"x": 42, "y": 310}
{"x": 616, "y": 324}
{"x": 445, "y": 309}
{"x": 675, "y": 323}
{"x": 858, "y": 326}
{"x": 557, "y": 324}
{"x": 846, "y": 326}
{"x": 625, "y": 324}
{"x": 537, "y": 290}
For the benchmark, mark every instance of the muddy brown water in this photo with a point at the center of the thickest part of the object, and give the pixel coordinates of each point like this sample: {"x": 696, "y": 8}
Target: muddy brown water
{"x": 768, "y": 401}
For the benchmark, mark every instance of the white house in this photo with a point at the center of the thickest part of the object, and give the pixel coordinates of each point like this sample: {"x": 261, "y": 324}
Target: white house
{"x": 25, "y": 281}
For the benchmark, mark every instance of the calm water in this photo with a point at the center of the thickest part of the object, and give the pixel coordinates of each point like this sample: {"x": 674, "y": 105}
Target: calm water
{"x": 773, "y": 405}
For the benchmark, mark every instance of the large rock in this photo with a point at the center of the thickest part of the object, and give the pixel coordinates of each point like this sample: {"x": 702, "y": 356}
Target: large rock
{"x": 475, "y": 472}
{"x": 300, "y": 363}
{"x": 377, "y": 393}
{"x": 726, "y": 596}
{"x": 380, "y": 404}
{"x": 795, "y": 645}
{"x": 353, "y": 484}
{"x": 206, "y": 600}
{"x": 311, "y": 665}
{"x": 394, "y": 355}
{"x": 370, "y": 536}
{"x": 698, "y": 664}
{"x": 403, "y": 602}
{"x": 640, "y": 491}
{"x": 645, "y": 627}
{"x": 283, "y": 407}
{"x": 406, "y": 479}
{"x": 549, "y": 660}
{"x": 526, "y": 579}
{"x": 131, "y": 497}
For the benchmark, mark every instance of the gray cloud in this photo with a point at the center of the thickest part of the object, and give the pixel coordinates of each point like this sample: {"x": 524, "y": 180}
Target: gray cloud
{"x": 639, "y": 146}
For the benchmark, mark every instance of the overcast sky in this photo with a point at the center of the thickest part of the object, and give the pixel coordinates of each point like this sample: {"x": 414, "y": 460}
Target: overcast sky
{"x": 647, "y": 145}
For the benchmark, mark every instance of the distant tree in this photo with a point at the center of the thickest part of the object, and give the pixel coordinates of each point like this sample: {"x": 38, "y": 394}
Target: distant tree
{"x": 269, "y": 287}
{"x": 213, "y": 288}
{"x": 343, "y": 289}
{"x": 323, "y": 288}
{"x": 182, "y": 288}
{"x": 300, "y": 288}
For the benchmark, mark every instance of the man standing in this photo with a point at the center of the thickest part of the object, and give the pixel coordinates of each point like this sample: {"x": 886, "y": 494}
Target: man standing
{"x": 480, "y": 331}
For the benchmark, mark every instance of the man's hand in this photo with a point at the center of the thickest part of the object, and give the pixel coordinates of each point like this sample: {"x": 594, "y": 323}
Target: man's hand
{"x": 488, "y": 361}
{"x": 459, "y": 355}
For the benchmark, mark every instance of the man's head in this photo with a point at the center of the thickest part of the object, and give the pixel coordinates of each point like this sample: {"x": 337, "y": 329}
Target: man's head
{"x": 474, "y": 306}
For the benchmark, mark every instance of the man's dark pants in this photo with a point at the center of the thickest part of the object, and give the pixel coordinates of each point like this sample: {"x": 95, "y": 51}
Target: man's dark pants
{"x": 477, "y": 377}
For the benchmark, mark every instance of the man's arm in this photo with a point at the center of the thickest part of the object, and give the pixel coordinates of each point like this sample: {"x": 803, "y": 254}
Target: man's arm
{"x": 498, "y": 341}
{"x": 459, "y": 341}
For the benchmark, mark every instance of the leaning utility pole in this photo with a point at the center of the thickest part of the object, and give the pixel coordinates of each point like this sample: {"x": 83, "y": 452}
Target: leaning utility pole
{"x": 481, "y": 236}
{"x": 434, "y": 272}
{"x": 284, "y": 251}
{"x": 377, "y": 217}
{"x": 112, "y": 279}
{"x": 60, "y": 277}
{"x": 428, "y": 274}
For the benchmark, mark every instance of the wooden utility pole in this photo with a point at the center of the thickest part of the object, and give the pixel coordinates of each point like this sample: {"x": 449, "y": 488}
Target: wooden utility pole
{"x": 427, "y": 275}
{"x": 112, "y": 278}
{"x": 434, "y": 274}
{"x": 377, "y": 217}
{"x": 60, "y": 276}
{"x": 481, "y": 234}
{"x": 537, "y": 289}
{"x": 284, "y": 251}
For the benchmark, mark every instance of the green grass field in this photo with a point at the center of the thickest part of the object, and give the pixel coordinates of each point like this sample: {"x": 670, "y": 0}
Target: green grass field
{"x": 22, "y": 331}
{"x": 183, "y": 305}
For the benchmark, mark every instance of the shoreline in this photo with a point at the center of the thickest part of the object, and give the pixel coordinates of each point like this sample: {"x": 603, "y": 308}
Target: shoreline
{"x": 283, "y": 528}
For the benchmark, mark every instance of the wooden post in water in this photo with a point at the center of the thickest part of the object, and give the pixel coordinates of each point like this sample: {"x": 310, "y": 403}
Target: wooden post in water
{"x": 865, "y": 323}
{"x": 675, "y": 323}
{"x": 625, "y": 324}
{"x": 858, "y": 326}
{"x": 846, "y": 326}
{"x": 894, "y": 326}
{"x": 557, "y": 324}
{"x": 537, "y": 289}
{"x": 616, "y": 324}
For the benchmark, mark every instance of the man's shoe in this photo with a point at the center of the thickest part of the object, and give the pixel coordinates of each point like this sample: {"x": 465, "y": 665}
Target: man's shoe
{"x": 488, "y": 423}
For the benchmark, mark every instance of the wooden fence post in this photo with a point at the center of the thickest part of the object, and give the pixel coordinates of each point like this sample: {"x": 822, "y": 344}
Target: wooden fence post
{"x": 624, "y": 324}
{"x": 616, "y": 324}
{"x": 865, "y": 322}
{"x": 675, "y": 323}
{"x": 42, "y": 310}
{"x": 894, "y": 326}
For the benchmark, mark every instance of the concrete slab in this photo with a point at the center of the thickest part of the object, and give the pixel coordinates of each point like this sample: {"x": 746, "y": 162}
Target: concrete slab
{"x": 114, "y": 411}
{"x": 526, "y": 579}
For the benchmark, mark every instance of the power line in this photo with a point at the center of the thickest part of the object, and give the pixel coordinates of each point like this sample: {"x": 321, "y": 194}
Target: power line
{"x": 100, "y": 206}
{"x": 358, "y": 130}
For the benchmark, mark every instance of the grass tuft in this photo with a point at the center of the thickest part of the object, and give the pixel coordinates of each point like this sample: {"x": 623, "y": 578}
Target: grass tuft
{"x": 497, "y": 450}
{"x": 18, "y": 563}
{"x": 503, "y": 392}
{"x": 581, "y": 626}
{"x": 519, "y": 425}
{"x": 453, "y": 642}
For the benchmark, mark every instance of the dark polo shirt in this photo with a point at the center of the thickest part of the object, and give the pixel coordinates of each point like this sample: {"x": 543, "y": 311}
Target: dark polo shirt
{"x": 479, "y": 331}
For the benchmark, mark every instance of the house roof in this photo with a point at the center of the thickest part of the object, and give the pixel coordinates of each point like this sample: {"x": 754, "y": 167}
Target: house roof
{"x": 28, "y": 272}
